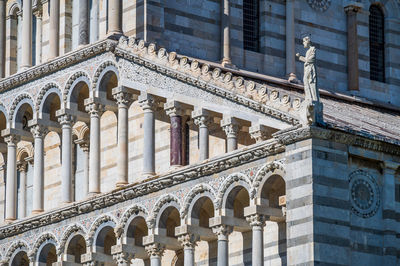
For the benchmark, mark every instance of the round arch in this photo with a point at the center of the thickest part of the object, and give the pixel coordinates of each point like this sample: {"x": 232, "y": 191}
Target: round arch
{"x": 162, "y": 203}
{"x": 45, "y": 249}
{"x": 48, "y": 101}
{"x": 17, "y": 254}
{"x": 76, "y": 91}
{"x": 22, "y": 111}
{"x": 200, "y": 199}
{"x": 230, "y": 182}
{"x": 105, "y": 79}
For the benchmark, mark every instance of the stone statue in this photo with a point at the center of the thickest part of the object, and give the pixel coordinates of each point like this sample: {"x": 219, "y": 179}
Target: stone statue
{"x": 312, "y": 102}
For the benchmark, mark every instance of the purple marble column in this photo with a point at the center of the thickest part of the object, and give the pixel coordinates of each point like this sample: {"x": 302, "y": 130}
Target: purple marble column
{"x": 176, "y": 156}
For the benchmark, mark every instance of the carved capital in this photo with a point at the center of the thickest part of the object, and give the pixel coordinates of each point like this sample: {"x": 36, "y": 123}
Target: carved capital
{"x": 222, "y": 231}
{"x": 123, "y": 99}
{"x": 84, "y": 144}
{"x": 173, "y": 108}
{"x": 201, "y": 117}
{"x": 256, "y": 220}
{"x": 39, "y": 131}
{"x": 123, "y": 258}
{"x": 352, "y": 8}
{"x": 94, "y": 109}
{"x": 148, "y": 103}
{"x": 22, "y": 166}
{"x": 12, "y": 139}
{"x": 155, "y": 250}
{"x": 38, "y": 12}
{"x": 259, "y": 133}
{"x": 66, "y": 120}
{"x": 188, "y": 240}
{"x": 230, "y": 126}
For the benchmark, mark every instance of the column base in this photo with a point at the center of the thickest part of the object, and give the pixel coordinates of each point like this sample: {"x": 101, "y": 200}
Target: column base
{"x": 148, "y": 175}
{"x": 92, "y": 194}
{"x": 292, "y": 78}
{"x": 228, "y": 64}
{"x": 114, "y": 35}
{"x": 121, "y": 184}
{"x": 174, "y": 168}
{"x": 35, "y": 212}
{"x": 9, "y": 220}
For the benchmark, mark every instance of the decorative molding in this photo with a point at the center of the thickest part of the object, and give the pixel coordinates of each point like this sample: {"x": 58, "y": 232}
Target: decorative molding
{"x": 19, "y": 244}
{"x": 135, "y": 210}
{"x": 17, "y": 100}
{"x": 73, "y": 229}
{"x": 152, "y": 219}
{"x": 268, "y": 170}
{"x": 43, "y": 92}
{"x": 95, "y": 226}
{"x": 228, "y": 182}
{"x": 213, "y": 166}
{"x": 43, "y": 238}
{"x": 319, "y": 5}
{"x": 99, "y": 71}
{"x": 71, "y": 81}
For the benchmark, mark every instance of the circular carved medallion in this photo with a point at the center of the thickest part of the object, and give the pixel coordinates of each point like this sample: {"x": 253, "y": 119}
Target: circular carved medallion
{"x": 365, "y": 196}
{"x": 319, "y": 5}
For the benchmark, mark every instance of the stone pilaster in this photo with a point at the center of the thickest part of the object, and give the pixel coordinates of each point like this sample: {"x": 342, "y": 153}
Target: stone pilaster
{"x": 38, "y": 132}
{"x": 149, "y": 105}
{"x": 123, "y": 99}
{"x": 95, "y": 110}
{"x": 203, "y": 119}
{"x": 222, "y": 231}
{"x": 231, "y": 127}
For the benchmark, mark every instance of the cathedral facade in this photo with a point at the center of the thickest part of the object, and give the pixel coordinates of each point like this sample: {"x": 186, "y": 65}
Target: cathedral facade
{"x": 178, "y": 132}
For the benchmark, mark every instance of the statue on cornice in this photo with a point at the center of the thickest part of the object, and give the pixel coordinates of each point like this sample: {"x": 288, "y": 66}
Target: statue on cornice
{"x": 312, "y": 101}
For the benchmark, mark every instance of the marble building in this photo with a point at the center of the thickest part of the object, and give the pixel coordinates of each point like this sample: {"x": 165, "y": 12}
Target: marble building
{"x": 178, "y": 133}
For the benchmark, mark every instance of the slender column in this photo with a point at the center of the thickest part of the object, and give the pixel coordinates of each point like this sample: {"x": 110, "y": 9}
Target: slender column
{"x": 222, "y": 231}
{"x": 352, "y": 47}
{"x": 202, "y": 119}
{"x": 22, "y": 184}
{"x": 114, "y": 17}
{"x": 225, "y": 30}
{"x": 11, "y": 179}
{"x": 231, "y": 127}
{"x": 83, "y": 22}
{"x": 26, "y": 51}
{"x": 257, "y": 223}
{"x": 2, "y": 37}
{"x": 149, "y": 105}
{"x": 85, "y": 148}
{"x": 38, "y": 14}
{"x": 54, "y": 28}
{"x": 94, "y": 28}
{"x": 290, "y": 44}
{"x": 175, "y": 113}
{"x": 66, "y": 122}
{"x": 38, "y": 132}
{"x": 95, "y": 110}
{"x": 155, "y": 252}
{"x": 123, "y": 100}
{"x": 188, "y": 241}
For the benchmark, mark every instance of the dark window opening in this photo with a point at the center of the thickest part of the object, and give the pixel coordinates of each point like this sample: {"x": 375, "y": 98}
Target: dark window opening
{"x": 376, "y": 44}
{"x": 251, "y": 25}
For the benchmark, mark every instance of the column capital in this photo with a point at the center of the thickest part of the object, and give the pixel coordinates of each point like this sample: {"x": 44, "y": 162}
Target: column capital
{"x": 66, "y": 119}
{"x": 155, "y": 249}
{"x": 256, "y": 220}
{"x": 122, "y": 258}
{"x": 39, "y": 131}
{"x": 22, "y": 166}
{"x": 188, "y": 240}
{"x": 391, "y": 165}
{"x": 12, "y": 139}
{"x": 222, "y": 231}
{"x": 148, "y": 102}
{"x": 202, "y": 117}
{"x": 94, "y": 108}
{"x": 231, "y": 126}
{"x": 352, "y": 8}
{"x": 83, "y": 143}
{"x": 123, "y": 98}
{"x": 38, "y": 11}
{"x": 260, "y": 132}
{"x": 174, "y": 108}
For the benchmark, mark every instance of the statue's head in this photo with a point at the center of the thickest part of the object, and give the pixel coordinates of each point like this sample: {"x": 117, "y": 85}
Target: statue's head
{"x": 307, "y": 41}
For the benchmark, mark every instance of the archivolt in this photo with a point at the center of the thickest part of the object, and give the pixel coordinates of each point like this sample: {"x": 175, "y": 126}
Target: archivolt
{"x": 75, "y": 228}
{"x": 166, "y": 199}
{"x": 96, "y": 225}
{"x": 237, "y": 177}
{"x": 135, "y": 210}
{"x": 198, "y": 189}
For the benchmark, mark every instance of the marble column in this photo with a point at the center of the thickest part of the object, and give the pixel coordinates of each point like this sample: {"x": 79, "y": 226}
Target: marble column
{"x": 66, "y": 122}
{"x": 290, "y": 42}
{"x": 11, "y": 179}
{"x": 175, "y": 113}
{"x": 38, "y": 132}
{"x": 84, "y": 144}
{"x": 123, "y": 100}
{"x": 155, "y": 252}
{"x": 188, "y": 241}
{"x": 202, "y": 119}
{"x": 149, "y": 106}
{"x": 95, "y": 110}
{"x": 2, "y": 38}
{"x": 54, "y": 33}
{"x": 225, "y": 31}
{"x": 352, "y": 47}
{"x": 114, "y": 17}
{"x": 83, "y": 22}
{"x": 94, "y": 25}
{"x": 26, "y": 50}
{"x": 22, "y": 166}
{"x": 257, "y": 223}
{"x": 231, "y": 127}
{"x": 222, "y": 232}
{"x": 38, "y": 14}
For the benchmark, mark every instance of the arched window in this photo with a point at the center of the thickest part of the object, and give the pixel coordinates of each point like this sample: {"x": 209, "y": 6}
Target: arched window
{"x": 376, "y": 44}
{"x": 251, "y": 25}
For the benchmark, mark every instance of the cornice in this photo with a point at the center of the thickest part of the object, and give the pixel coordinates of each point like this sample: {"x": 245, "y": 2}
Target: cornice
{"x": 57, "y": 64}
{"x": 227, "y": 161}
{"x": 353, "y": 138}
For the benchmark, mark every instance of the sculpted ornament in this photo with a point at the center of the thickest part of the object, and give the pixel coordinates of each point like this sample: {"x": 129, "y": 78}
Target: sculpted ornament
{"x": 256, "y": 220}
{"x": 151, "y": 221}
{"x": 188, "y": 240}
{"x": 228, "y": 182}
{"x": 135, "y": 210}
{"x": 319, "y": 5}
{"x": 197, "y": 190}
{"x": 312, "y": 105}
{"x": 155, "y": 250}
